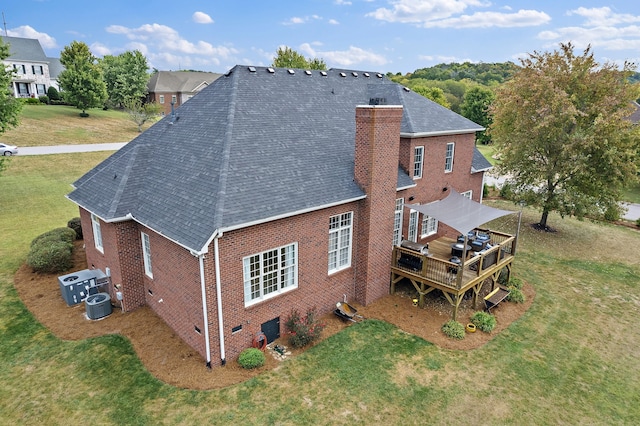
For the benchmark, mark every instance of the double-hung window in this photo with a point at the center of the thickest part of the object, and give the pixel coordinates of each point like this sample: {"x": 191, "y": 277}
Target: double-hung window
{"x": 412, "y": 232}
{"x": 418, "y": 161}
{"x": 448, "y": 161}
{"x": 397, "y": 222}
{"x": 161, "y": 99}
{"x": 340, "y": 235}
{"x": 97, "y": 233}
{"x": 429, "y": 226}
{"x": 146, "y": 252}
{"x": 270, "y": 273}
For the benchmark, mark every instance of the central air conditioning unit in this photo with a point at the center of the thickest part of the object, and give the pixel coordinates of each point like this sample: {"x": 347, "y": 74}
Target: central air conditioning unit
{"x": 76, "y": 286}
{"x": 98, "y": 305}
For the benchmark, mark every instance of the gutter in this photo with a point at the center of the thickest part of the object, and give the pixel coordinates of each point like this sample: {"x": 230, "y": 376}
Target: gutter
{"x": 204, "y": 309}
{"x": 216, "y": 252}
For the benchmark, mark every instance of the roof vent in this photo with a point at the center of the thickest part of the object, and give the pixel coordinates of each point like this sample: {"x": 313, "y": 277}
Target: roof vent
{"x": 379, "y": 75}
{"x": 366, "y": 74}
{"x": 271, "y": 70}
{"x": 343, "y": 74}
{"x": 323, "y": 73}
{"x": 307, "y": 72}
{"x": 377, "y": 101}
{"x": 353, "y": 73}
{"x": 252, "y": 69}
{"x": 406, "y": 89}
{"x": 291, "y": 71}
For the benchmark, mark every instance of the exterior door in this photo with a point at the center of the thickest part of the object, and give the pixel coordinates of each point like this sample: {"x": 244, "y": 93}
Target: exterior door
{"x": 397, "y": 222}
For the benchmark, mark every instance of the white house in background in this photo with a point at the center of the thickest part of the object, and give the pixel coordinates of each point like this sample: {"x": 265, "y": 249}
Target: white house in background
{"x": 33, "y": 71}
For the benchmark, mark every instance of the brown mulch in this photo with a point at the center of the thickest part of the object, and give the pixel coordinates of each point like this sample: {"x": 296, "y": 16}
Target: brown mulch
{"x": 169, "y": 359}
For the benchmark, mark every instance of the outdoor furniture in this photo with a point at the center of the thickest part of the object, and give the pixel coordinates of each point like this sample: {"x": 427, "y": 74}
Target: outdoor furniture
{"x": 496, "y": 296}
{"x": 457, "y": 261}
{"x": 409, "y": 261}
{"x": 458, "y": 248}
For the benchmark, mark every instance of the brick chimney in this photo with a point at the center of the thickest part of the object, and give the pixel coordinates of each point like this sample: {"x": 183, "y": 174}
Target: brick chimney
{"x": 376, "y": 171}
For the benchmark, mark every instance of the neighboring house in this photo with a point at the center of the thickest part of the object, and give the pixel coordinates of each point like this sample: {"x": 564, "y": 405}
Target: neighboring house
{"x": 177, "y": 87}
{"x": 32, "y": 68}
{"x": 272, "y": 190}
{"x": 635, "y": 116}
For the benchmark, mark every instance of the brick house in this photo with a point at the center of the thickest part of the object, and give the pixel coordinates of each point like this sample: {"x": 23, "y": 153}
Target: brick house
{"x": 272, "y": 189}
{"x": 177, "y": 87}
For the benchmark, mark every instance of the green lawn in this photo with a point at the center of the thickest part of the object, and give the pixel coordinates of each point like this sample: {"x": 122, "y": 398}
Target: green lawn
{"x": 572, "y": 358}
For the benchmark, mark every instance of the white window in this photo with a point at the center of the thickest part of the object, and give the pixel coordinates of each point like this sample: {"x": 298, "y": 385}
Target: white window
{"x": 397, "y": 222}
{"x": 413, "y": 226}
{"x": 174, "y": 99}
{"x": 270, "y": 273}
{"x": 161, "y": 99}
{"x": 418, "y": 159}
{"x": 448, "y": 161}
{"x": 429, "y": 226}
{"x": 340, "y": 232}
{"x": 467, "y": 194}
{"x": 146, "y": 252}
{"x": 97, "y": 233}
{"x": 40, "y": 89}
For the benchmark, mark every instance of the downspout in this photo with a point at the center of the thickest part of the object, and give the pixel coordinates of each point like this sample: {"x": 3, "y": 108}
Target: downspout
{"x": 219, "y": 297}
{"x": 204, "y": 310}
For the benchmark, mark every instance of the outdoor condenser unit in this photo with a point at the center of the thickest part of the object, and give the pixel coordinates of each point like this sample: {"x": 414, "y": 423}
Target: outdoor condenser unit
{"x": 76, "y": 286}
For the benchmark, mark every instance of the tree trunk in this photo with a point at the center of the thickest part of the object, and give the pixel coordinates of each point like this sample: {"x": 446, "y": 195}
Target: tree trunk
{"x": 543, "y": 219}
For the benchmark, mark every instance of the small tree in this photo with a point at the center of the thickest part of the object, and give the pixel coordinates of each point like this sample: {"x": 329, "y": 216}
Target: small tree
{"x": 82, "y": 78}
{"x": 10, "y": 107}
{"x": 140, "y": 112}
{"x": 286, "y": 57}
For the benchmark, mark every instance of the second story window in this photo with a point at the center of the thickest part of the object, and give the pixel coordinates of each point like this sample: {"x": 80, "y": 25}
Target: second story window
{"x": 448, "y": 161}
{"x": 418, "y": 159}
{"x": 340, "y": 242}
{"x": 174, "y": 98}
{"x": 161, "y": 99}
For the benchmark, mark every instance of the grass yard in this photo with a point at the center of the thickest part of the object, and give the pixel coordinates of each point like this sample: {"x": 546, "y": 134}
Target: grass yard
{"x": 572, "y": 358}
{"x": 45, "y": 125}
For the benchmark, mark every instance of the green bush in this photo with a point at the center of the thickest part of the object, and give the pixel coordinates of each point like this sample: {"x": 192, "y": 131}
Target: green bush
{"x": 43, "y": 99}
{"x": 484, "y": 321}
{"x": 31, "y": 101}
{"x": 516, "y": 283}
{"x": 53, "y": 93}
{"x": 638, "y": 222}
{"x": 506, "y": 191}
{"x": 303, "y": 330}
{"x": 50, "y": 257}
{"x": 503, "y": 278}
{"x": 76, "y": 225}
{"x": 515, "y": 295}
{"x": 453, "y": 329}
{"x": 66, "y": 235}
{"x": 251, "y": 358}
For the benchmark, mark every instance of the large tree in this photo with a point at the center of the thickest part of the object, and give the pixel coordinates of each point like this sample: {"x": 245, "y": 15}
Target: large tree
{"x": 289, "y": 58}
{"x": 435, "y": 94}
{"x": 475, "y": 107}
{"x": 9, "y": 106}
{"x": 81, "y": 79}
{"x": 126, "y": 77}
{"x": 561, "y": 129}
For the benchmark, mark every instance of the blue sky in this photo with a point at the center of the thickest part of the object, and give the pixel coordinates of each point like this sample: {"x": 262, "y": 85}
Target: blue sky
{"x": 374, "y": 35}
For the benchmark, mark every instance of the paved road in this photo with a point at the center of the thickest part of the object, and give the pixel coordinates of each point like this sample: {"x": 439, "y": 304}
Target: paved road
{"x": 633, "y": 212}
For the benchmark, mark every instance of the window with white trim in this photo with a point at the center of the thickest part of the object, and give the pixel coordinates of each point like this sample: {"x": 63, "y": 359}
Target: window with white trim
{"x": 412, "y": 232}
{"x": 97, "y": 233}
{"x": 270, "y": 273}
{"x": 418, "y": 160}
{"x": 161, "y": 99}
{"x": 146, "y": 252}
{"x": 448, "y": 161}
{"x": 174, "y": 99}
{"x": 340, "y": 233}
{"x": 397, "y": 222}
{"x": 429, "y": 225}
{"x": 467, "y": 194}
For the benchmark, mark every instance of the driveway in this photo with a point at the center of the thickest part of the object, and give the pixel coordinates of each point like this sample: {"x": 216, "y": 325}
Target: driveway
{"x": 66, "y": 149}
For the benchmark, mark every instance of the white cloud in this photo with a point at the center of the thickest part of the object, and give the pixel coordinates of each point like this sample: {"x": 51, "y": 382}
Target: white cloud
{"x": 441, "y": 59}
{"x": 522, "y": 18}
{"x": 99, "y": 49}
{"x": 295, "y": 21}
{"x": 333, "y": 22}
{"x": 342, "y": 2}
{"x": 420, "y": 11}
{"x": 25, "y": 31}
{"x": 345, "y": 58}
{"x": 201, "y": 18}
{"x": 603, "y": 16}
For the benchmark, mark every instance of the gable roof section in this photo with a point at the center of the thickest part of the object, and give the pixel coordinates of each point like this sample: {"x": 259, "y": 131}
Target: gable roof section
{"x": 180, "y": 81}
{"x": 253, "y": 146}
{"x": 25, "y": 49}
{"x": 479, "y": 162}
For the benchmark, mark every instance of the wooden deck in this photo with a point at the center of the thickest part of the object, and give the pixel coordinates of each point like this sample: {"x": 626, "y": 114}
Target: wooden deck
{"x": 436, "y": 271}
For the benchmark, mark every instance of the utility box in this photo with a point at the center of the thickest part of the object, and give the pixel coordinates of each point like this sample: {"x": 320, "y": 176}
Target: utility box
{"x": 77, "y": 286}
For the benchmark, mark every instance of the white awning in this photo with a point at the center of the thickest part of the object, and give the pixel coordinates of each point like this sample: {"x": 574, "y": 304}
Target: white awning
{"x": 459, "y": 212}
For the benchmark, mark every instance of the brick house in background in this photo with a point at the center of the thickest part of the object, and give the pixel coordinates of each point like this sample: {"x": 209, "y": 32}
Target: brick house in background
{"x": 177, "y": 86}
{"x": 287, "y": 191}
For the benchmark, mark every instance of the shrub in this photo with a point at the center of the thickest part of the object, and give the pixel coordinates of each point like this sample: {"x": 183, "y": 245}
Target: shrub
{"x": 486, "y": 190}
{"x": 31, "y": 101}
{"x": 251, "y": 358}
{"x": 76, "y": 225}
{"x": 53, "y": 93}
{"x": 303, "y": 330}
{"x": 484, "y": 321}
{"x": 503, "y": 277}
{"x": 66, "y": 235}
{"x": 638, "y": 222}
{"x": 515, "y": 295}
{"x": 43, "y": 99}
{"x": 516, "y": 283}
{"x": 50, "y": 256}
{"x": 506, "y": 191}
{"x": 453, "y": 329}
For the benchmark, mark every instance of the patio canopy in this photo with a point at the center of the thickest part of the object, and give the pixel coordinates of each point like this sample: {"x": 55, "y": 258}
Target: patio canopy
{"x": 459, "y": 212}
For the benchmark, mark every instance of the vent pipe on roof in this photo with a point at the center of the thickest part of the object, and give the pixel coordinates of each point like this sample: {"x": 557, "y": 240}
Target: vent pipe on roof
{"x": 173, "y": 113}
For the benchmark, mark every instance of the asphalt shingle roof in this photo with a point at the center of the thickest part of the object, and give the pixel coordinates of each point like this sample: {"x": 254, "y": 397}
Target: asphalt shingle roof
{"x": 252, "y": 146}
{"x": 25, "y": 49}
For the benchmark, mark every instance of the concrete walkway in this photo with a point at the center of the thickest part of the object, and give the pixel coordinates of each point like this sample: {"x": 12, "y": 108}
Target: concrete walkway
{"x": 66, "y": 149}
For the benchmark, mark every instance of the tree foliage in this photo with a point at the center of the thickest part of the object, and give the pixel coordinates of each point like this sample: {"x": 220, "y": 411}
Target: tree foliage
{"x": 561, "y": 128}
{"x": 475, "y": 107}
{"x": 140, "y": 112}
{"x": 289, "y": 58}
{"x": 126, "y": 77}
{"x": 81, "y": 79}
{"x": 434, "y": 93}
{"x": 10, "y": 107}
